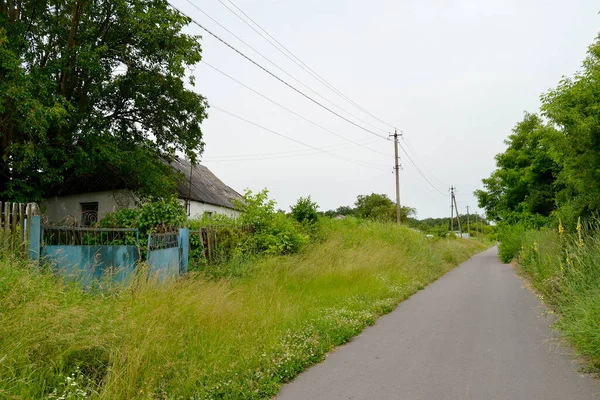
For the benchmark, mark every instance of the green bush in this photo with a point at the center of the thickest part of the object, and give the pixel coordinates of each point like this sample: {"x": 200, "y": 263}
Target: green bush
{"x": 510, "y": 238}
{"x": 274, "y": 233}
{"x": 165, "y": 213}
{"x": 305, "y": 211}
{"x": 124, "y": 218}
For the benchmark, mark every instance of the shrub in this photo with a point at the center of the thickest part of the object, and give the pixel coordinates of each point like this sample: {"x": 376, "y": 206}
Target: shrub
{"x": 511, "y": 239}
{"x": 274, "y": 233}
{"x": 124, "y": 218}
{"x": 167, "y": 212}
{"x": 305, "y": 211}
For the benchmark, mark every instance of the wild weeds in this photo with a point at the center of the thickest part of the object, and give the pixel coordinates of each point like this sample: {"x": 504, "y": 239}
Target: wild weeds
{"x": 211, "y": 339}
{"x": 565, "y": 268}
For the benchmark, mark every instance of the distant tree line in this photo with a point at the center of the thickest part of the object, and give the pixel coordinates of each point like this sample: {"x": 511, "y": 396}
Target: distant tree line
{"x": 379, "y": 207}
{"x": 374, "y": 206}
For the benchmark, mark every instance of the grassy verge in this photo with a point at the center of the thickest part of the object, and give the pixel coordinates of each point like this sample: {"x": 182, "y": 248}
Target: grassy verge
{"x": 206, "y": 338}
{"x": 565, "y": 269}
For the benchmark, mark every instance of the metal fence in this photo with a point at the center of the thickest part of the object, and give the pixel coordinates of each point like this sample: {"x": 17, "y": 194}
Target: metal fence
{"x": 88, "y": 254}
{"x": 168, "y": 253}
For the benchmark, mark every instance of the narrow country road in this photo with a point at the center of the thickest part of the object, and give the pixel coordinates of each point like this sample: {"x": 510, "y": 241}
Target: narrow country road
{"x": 477, "y": 333}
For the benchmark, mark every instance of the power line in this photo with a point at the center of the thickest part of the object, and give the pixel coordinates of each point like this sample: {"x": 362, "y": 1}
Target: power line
{"x": 297, "y": 60}
{"x": 420, "y": 172}
{"x": 362, "y": 163}
{"x": 297, "y": 153}
{"x": 238, "y": 159}
{"x": 274, "y": 64}
{"x": 277, "y": 77}
{"x": 277, "y": 66}
{"x": 416, "y": 155}
{"x": 290, "y": 110}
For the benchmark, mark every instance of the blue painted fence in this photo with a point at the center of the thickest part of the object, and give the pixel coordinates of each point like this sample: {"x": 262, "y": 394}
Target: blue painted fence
{"x": 88, "y": 255}
{"x": 168, "y": 253}
{"x": 87, "y": 264}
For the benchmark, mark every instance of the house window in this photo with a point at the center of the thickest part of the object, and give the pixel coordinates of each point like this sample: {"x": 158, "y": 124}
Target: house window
{"x": 208, "y": 214}
{"x": 89, "y": 214}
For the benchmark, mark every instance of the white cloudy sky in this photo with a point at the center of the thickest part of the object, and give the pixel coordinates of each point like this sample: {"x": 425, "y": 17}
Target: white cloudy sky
{"x": 454, "y": 76}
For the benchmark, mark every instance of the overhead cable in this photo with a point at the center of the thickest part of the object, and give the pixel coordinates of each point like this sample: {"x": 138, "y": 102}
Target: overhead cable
{"x": 290, "y": 110}
{"x": 277, "y": 77}
{"x": 362, "y": 163}
{"x": 296, "y": 60}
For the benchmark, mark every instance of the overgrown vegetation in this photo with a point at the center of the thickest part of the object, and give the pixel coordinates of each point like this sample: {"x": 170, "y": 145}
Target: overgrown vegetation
{"x": 197, "y": 338}
{"x": 545, "y": 196}
{"x": 564, "y": 268}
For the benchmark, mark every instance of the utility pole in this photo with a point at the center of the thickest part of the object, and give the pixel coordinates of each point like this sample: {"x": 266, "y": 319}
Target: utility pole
{"x": 452, "y": 208}
{"x": 468, "y": 222}
{"x": 453, "y": 203}
{"x": 397, "y": 170}
{"x": 457, "y": 216}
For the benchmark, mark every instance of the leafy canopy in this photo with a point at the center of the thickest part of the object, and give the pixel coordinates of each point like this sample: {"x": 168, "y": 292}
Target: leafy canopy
{"x": 552, "y": 165}
{"x": 379, "y": 207}
{"x": 91, "y": 86}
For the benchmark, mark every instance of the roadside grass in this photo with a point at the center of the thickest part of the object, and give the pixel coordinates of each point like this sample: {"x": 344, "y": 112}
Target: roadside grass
{"x": 565, "y": 268}
{"x": 206, "y": 338}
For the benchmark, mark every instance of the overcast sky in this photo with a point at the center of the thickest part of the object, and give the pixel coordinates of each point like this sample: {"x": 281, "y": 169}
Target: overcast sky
{"x": 453, "y": 76}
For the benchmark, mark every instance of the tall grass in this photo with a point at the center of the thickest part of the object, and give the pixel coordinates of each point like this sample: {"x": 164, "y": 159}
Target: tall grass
{"x": 565, "y": 268}
{"x": 199, "y": 338}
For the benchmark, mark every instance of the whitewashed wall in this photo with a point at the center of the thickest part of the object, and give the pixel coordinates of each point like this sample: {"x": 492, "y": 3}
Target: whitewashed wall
{"x": 198, "y": 209}
{"x": 60, "y": 208}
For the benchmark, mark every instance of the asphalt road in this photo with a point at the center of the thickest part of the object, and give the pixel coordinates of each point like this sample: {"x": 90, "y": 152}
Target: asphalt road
{"x": 476, "y": 333}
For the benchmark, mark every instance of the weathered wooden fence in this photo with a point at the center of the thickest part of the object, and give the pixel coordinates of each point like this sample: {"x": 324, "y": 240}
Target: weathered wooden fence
{"x": 205, "y": 241}
{"x": 15, "y": 226}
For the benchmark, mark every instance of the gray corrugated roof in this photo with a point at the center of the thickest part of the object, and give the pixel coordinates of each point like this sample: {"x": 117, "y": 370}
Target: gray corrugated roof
{"x": 205, "y": 186}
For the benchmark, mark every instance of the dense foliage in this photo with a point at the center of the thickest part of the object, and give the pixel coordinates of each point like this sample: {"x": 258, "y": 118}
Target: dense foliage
{"x": 305, "y": 211}
{"x": 159, "y": 215}
{"x": 551, "y": 167}
{"x": 89, "y": 87}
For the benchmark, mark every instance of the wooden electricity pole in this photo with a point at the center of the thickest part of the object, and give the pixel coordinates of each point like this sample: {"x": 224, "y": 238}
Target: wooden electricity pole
{"x": 468, "y": 222}
{"x": 397, "y": 170}
{"x": 452, "y": 209}
{"x": 453, "y": 203}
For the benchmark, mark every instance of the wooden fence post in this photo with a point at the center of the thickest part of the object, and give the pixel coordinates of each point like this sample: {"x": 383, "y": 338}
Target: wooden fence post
{"x": 13, "y": 227}
{"x": 22, "y": 229}
{"x": 6, "y": 226}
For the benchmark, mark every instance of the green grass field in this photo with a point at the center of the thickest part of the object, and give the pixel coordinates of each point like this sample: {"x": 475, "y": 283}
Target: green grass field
{"x": 237, "y": 338}
{"x": 565, "y": 268}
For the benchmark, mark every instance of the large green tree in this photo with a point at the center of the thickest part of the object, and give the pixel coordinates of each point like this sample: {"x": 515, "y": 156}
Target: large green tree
{"x": 90, "y": 86}
{"x": 523, "y": 185}
{"x": 552, "y": 165}
{"x": 573, "y": 108}
{"x": 379, "y": 207}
